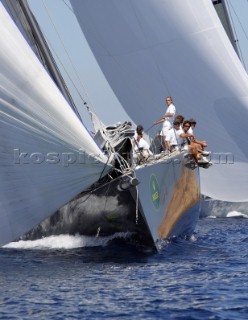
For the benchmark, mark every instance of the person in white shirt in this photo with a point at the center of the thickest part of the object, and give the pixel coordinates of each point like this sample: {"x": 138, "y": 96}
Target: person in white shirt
{"x": 140, "y": 143}
{"x": 179, "y": 118}
{"x": 201, "y": 144}
{"x": 141, "y": 149}
{"x": 193, "y": 147}
{"x": 139, "y": 129}
{"x": 173, "y": 138}
{"x": 167, "y": 121}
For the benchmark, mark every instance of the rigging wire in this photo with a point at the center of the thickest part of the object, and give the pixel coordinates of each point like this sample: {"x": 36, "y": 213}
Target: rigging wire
{"x": 137, "y": 206}
{"x": 120, "y": 66}
{"x": 229, "y": 4}
{"x": 85, "y": 103}
{"x": 75, "y": 71}
{"x": 69, "y": 7}
{"x": 23, "y": 17}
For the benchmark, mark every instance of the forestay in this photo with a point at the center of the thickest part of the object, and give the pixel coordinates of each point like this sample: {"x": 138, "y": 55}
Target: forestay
{"x": 46, "y": 155}
{"x": 148, "y": 49}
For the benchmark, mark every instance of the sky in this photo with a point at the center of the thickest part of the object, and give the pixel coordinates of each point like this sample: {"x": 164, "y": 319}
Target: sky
{"x": 239, "y": 16}
{"x": 64, "y": 35}
{"x": 85, "y": 74}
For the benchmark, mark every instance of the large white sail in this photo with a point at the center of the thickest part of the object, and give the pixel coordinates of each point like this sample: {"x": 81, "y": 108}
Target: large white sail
{"x": 148, "y": 49}
{"x": 46, "y": 155}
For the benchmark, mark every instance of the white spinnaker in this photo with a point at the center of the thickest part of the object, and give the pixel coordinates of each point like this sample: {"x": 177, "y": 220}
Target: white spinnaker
{"x": 148, "y": 49}
{"x": 46, "y": 155}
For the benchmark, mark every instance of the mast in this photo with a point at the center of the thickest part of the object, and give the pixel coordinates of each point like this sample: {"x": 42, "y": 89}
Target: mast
{"x": 34, "y": 36}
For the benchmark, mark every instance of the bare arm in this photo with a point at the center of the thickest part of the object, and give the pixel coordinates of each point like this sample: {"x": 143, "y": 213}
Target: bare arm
{"x": 159, "y": 121}
{"x": 187, "y": 135}
{"x": 167, "y": 115}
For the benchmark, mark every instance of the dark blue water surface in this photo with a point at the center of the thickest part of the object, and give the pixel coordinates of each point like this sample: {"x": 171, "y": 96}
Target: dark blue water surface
{"x": 202, "y": 278}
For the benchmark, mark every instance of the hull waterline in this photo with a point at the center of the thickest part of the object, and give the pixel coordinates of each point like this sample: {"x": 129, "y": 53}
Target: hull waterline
{"x": 157, "y": 208}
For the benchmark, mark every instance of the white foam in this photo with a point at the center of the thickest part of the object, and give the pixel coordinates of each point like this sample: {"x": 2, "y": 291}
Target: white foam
{"x": 193, "y": 238}
{"x": 236, "y": 214}
{"x": 64, "y": 242}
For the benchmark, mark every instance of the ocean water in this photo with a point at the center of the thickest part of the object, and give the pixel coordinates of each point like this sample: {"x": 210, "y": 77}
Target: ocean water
{"x": 205, "y": 277}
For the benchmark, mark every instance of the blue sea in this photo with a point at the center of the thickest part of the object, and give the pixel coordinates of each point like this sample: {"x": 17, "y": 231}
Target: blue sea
{"x": 205, "y": 277}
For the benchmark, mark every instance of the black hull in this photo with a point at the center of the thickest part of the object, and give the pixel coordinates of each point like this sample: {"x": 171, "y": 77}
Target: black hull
{"x": 104, "y": 212}
{"x": 119, "y": 207}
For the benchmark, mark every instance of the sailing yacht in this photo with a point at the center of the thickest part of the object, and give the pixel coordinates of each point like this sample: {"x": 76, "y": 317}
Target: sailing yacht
{"x": 146, "y": 50}
{"x": 49, "y": 159}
